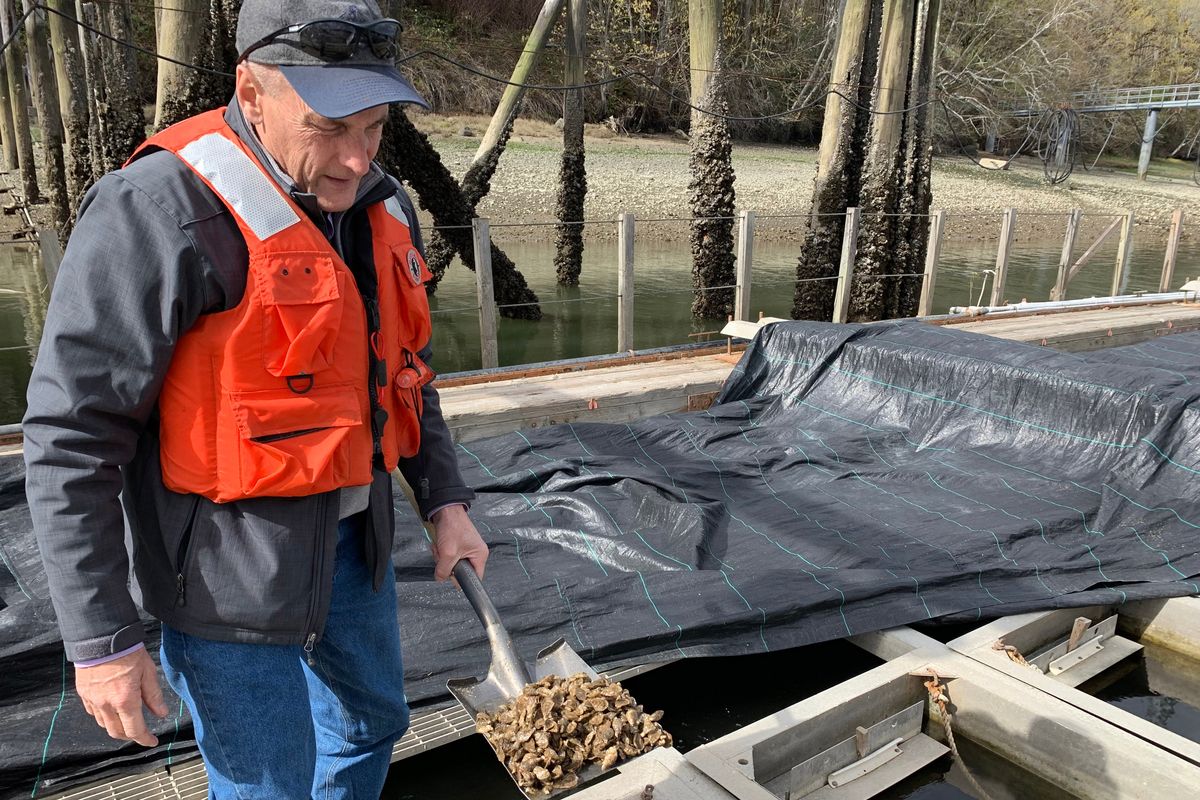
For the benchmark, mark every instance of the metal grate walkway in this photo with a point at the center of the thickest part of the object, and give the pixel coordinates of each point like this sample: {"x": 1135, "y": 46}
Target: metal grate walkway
{"x": 1184, "y": 95}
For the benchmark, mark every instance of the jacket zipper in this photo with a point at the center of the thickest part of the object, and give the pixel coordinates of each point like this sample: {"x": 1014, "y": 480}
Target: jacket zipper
{"x": 318, "y": 563}
{"x": 181, "y": 553}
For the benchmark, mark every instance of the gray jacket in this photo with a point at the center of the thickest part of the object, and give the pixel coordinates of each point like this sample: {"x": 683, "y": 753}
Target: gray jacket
{"x": 153, "y": 250}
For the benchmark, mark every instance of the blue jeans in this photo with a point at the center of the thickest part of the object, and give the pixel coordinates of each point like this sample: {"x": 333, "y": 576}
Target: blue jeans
{"x": 269, "y": 725}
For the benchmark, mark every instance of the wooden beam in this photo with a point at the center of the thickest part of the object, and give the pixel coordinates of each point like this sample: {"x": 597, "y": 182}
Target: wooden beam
{"x": 1091, "y": 251}
{"x": 1059, "y": 292}
{"x": 625, "y": 286}
{"x": 745, "y": 261}
{"x": 507, "y": 107}
{"x": 489, "y": 349}
{"x": 933, "y": 252}
{"x": 1124, "y": 251}
{"x": 1168, "y": 273}
{"x": 841, "y": 300}
{"x": 1008, "y": 233}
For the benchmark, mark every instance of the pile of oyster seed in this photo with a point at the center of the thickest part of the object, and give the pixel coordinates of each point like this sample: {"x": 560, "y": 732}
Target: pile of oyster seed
{"x": 557, "y": 727}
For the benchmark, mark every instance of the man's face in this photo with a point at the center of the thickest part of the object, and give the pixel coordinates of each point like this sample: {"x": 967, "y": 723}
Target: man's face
{"x": 324, "y": 157}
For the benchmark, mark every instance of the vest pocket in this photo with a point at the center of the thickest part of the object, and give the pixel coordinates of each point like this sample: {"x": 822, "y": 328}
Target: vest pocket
{"x": 302, "y": 300}
{"x": 300, "y": 444}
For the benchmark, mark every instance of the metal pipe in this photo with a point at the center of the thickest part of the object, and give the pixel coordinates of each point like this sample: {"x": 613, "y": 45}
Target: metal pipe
{"x": 1088, "y": 302}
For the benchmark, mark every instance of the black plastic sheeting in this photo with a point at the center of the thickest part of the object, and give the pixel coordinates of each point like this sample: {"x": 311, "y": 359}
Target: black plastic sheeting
{"x": 849, "y": 478}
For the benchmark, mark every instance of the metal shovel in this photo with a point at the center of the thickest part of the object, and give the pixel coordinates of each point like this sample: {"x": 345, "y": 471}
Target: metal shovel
{"x": 509, "y": 673}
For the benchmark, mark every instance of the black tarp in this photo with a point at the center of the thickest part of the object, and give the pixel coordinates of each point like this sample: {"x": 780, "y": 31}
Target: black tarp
{"x": 849, "y": 478}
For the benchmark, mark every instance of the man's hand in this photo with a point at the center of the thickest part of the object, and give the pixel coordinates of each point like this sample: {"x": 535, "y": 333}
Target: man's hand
{"x": 114, "y": 692}
{"x": 454, "y": 539}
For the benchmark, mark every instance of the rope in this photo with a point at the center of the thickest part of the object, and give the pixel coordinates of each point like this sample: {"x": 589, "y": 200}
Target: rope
{"x": 937, "y": 696}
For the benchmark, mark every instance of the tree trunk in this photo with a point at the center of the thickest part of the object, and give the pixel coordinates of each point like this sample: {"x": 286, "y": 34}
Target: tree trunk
{"x": 406, "y": 153}
{"x": 572, "y": 174}
{"x": 20, "y": 106}
{"x": 839, "y": 163}
{"x": 45, "y": 98}
{"x": 93, "y": 76}
{"x": 477, "y": 181}
{"x": 72, "y": 101}
{"x": 181, "y": 31}
{"x": 125, "y": 121}
{"x": 7, "y": 129}
{"x": 710, "y": 190}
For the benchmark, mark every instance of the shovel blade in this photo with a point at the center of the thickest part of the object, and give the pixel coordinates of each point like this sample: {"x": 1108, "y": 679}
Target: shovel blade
{"x": 487, "y": 694}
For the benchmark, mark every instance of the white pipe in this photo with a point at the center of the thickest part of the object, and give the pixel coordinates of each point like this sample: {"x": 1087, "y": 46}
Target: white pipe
{"x": 1089, "y": 302}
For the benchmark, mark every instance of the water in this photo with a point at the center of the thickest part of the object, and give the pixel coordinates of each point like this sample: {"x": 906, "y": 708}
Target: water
{"x": 1159, "y": 686}
{"x": 586, "y": 322}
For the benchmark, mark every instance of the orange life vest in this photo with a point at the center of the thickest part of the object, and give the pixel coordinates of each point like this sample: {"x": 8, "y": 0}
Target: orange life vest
{"x": 274, "y": 397}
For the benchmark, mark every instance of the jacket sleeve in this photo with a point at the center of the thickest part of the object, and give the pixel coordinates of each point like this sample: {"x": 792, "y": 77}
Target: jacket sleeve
{"x": 433, "y": 471}
{"x": 125, "y": 291}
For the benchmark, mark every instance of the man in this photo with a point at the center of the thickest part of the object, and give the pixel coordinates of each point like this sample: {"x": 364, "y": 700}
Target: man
{"x": 234, "y": 359}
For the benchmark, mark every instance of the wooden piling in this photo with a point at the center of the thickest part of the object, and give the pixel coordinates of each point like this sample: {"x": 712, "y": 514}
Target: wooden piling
{"x": 841, "y": 300}
{"x": 1008, "y": 234}
{"x": 506, "y": 109}
{"x": 20, "y": 106}
{"x": 489, "y": 349}
{"x": 625, "y": 286}
{"x": 745, "y": 262}
{"x": 93, "y": 76}
{"x": 937, "y": 225}
{"x": 1124, "y": 251}
{"x": 1168, "y": 271}
{"x": 72, "y": 99}
{"x": 7, "y": 130}
{"x": 1059, "y": 292}
{"x": 45, "y": 99}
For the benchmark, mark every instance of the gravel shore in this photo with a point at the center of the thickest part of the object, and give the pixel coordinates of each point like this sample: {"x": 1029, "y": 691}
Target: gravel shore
{"x": 649, "y": 175}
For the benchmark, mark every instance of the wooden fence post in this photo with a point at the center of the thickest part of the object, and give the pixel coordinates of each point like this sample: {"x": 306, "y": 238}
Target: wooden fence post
{"x": 489, "y": 349}
{"x": 1059, "y": 292}
{"x": 745, "y": 261}
{"x": 1008, "y": 233}
{"x": 937, "y": 225}
{"x": 1168, "y": 273}
{"x": 841, "y": 299}
{"x": 625, "y": 235}
{"x": 1124, "y": 251}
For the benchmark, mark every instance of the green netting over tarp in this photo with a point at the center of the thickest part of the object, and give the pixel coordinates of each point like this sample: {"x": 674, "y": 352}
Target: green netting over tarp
{"x": 849, "y": 478}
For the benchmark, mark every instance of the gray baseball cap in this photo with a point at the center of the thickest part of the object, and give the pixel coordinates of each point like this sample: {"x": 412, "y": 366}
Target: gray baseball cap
{"x": 334, "y": 85}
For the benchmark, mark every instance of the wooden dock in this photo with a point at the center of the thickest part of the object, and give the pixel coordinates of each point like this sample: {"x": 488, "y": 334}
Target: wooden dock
{"x": 627, "y": 390}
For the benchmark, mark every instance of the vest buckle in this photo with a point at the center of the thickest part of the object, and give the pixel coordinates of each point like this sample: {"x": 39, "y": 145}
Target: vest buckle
{"x": 296, "y": 381}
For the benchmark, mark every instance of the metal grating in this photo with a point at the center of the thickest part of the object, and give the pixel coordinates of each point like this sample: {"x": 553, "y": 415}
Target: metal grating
{"x": 188, "y": 781}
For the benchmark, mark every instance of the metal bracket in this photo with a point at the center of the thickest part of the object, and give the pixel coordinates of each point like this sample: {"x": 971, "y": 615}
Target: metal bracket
{"x": 1075, "y": 657}
{"x": 869, "y": 749}
{"x": 1101, "y": 630}
{"x": 866, "y": 764}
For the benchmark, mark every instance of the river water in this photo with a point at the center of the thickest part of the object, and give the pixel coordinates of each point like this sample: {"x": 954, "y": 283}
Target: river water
{"x": 582, "y": 320}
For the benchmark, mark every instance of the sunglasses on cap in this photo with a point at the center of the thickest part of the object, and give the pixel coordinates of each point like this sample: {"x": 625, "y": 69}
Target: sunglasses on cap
{"x": 336, "y": 39}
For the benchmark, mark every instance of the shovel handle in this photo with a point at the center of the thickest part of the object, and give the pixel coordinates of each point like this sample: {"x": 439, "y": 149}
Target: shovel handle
{"x": 508, "y": 671}
{"x": 477, "y": 596}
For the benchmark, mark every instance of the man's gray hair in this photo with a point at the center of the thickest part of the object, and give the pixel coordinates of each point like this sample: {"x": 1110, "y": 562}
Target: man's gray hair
{"x": 269, "y": 77}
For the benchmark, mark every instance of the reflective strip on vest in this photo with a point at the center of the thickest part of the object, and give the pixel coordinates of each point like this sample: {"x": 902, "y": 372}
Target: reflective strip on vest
{"x": 393, "y": 207}
{"x": 241, "y": 184}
